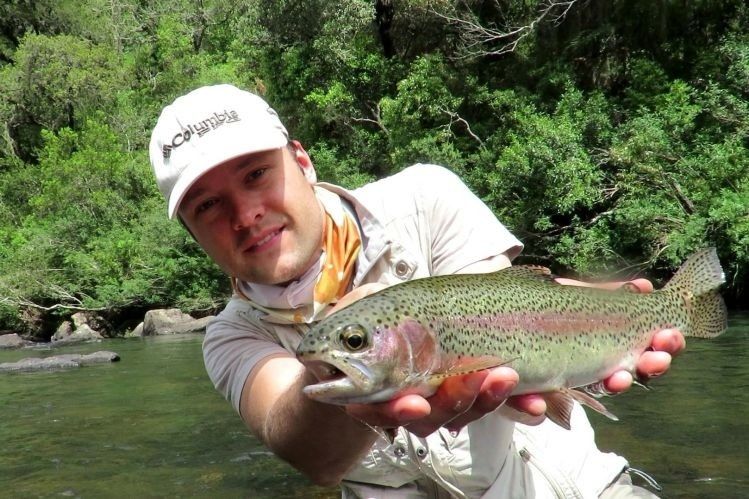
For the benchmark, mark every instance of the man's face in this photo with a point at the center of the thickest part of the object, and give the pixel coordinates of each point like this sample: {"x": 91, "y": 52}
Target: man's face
{"x": 257, "y": 216}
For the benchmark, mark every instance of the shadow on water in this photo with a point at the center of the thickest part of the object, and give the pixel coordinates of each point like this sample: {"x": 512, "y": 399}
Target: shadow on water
{"x": 153, "y": 426}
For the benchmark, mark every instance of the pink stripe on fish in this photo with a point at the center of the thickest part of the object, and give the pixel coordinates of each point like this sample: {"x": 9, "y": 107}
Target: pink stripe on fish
{"x": 568, "y": 323}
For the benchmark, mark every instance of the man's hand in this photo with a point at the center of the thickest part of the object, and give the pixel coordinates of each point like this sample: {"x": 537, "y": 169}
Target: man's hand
{"x": 458, "y": 401}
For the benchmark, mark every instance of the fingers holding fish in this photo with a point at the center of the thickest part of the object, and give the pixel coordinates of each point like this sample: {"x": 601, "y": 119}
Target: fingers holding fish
{"x": 618, "y": 382}
{"x": 653, "y": 364}
{"x": 665, "y": 344}
{"x": 642, "y": 285}
{"x": 397, "y": 412}
{"x": 529, "y": 409}
{"x": 454, "y": 397}
{"x": 671, "y": 341}
{"x": 458, "y": 401}
{"x": 655, "y": 361}
{"x": 493, "y": 392}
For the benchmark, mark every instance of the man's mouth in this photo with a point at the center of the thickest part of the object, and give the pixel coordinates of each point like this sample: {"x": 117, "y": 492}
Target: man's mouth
{"x": 258, "y": 245}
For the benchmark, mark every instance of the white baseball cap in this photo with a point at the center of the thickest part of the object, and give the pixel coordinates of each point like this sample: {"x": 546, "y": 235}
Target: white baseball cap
{"x": 205, "y": 128}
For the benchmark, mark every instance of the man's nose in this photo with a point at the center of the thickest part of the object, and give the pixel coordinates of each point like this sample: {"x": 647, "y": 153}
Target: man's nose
{"x": 246, "y": 212}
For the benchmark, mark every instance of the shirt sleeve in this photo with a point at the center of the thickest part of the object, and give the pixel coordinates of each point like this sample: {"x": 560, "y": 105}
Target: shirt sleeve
{"x": 463, "y": 230}
{"x": 233, "y": 345}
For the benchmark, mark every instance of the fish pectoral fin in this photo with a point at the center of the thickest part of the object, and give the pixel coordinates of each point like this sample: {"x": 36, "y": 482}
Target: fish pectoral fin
{"x": 586, "y": 399}
{"x": 559, "y": 405}
{"x": 465, "y": 367}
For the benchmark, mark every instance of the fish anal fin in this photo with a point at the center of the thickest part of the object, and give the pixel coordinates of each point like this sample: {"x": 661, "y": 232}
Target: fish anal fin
{"x": 465, "y": 366}
{"x": 586, "y": 399}
{"x": 559, "y": 405}
{"x": 559, "y": 408}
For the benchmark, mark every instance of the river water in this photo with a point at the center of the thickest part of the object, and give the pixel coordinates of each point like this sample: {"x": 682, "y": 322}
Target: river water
{"x": 151, "y": 425}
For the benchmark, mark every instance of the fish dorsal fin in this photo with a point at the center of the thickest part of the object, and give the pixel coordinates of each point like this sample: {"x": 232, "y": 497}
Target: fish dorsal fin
{"x": 467, "y": 366}
{"x": 529, "y": 271}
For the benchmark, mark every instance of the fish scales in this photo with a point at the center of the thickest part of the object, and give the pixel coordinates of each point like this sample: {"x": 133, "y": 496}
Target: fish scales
{"x": 521, "y": 326}
{"x": 410, "y": 337}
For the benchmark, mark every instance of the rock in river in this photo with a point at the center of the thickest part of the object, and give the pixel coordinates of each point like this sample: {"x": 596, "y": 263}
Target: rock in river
{"x": 13, "y": 341}
{"x": 59, "y": 361}
{"x": 172, "y": 321}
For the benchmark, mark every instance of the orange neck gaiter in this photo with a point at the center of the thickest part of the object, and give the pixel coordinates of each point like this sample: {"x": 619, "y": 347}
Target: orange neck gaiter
{"x": 341, "y": 245}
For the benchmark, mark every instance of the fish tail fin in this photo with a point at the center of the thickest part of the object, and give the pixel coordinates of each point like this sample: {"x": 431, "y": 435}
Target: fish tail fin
{"x": 698, "y": 280}
{"x": 708, "y": 315}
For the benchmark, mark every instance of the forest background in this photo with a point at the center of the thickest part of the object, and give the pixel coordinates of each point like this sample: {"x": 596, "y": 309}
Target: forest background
{"x": 604, "y": 134}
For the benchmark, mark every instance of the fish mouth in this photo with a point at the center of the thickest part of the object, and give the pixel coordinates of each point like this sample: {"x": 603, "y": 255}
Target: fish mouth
{"x": 324, "y": 371}
{"x": 344, "y": 383}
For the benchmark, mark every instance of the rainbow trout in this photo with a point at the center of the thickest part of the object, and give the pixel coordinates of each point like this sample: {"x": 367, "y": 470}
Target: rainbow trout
{"x": 409, "y": 337}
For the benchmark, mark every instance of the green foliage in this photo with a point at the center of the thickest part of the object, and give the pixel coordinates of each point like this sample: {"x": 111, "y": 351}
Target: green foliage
{"x": 57, "y": 81}
{"x": 93, "y": 232}
{"x": 614, "y": 137}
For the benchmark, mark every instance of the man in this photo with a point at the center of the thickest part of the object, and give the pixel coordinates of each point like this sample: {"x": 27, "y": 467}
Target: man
{"x": 296, "y": 250}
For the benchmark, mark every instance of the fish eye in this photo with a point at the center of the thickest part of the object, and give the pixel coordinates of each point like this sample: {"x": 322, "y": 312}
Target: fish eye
{"x": 354, "y": 338}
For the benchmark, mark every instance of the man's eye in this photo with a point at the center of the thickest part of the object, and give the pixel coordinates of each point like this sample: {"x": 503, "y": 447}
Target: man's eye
{"x": 205, "y": 205}
{"x": 256, "y": 174}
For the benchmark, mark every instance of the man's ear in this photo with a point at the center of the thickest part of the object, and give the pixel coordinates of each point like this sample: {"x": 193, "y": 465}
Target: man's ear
{"x": 304, "y": 162}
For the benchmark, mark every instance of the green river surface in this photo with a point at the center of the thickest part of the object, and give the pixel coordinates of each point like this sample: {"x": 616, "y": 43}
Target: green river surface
{"x": 152, "y": 425}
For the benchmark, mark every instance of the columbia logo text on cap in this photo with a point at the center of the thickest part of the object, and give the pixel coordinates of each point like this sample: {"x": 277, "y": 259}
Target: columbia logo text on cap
{"x": 200, "y": 128}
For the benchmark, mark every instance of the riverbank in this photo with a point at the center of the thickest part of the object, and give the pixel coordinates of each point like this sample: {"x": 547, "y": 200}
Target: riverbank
{"x": 89, "y": 326}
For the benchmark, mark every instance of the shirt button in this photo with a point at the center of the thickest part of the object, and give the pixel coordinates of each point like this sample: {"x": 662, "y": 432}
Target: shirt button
{"x": 399, "y": 452}
{"x": 401, "y": 268}
{"x": 421, "y": 452}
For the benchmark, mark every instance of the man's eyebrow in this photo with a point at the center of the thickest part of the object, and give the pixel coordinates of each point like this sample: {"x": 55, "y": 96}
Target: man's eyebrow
{"x": 251, "y": 161}
{"x": 192, "y": 195}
